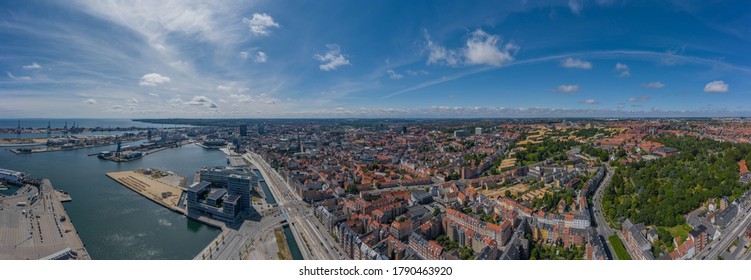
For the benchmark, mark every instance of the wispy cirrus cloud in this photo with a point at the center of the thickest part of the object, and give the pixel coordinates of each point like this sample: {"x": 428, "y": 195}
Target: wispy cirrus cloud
{"x": 656, "y": 84}
{"x": 633, "y": 54}
{"x": 589, "y": 101}
{"x": 622, "y": 70}
{"x": 639, "y": 99}
{"x": 392, "y": 74}
{"x": 32, "y": 66}
{"x": 575, "y": 6}
{"x": 568, "y": 89}
{"x": 18, "y": 78}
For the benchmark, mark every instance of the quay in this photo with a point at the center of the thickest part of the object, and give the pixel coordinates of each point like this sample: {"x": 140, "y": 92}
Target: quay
{"x": 56, "y": 148}
{"x": 36, "y": 226}
{"x": 137, "y": 152}
{"x": 157, "y": 190}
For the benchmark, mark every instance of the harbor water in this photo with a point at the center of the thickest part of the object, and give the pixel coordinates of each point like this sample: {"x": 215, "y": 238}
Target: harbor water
{"x": 113, "y": 221}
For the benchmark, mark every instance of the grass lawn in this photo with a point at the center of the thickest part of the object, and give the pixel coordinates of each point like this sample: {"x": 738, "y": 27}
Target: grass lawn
{"x": 620, "y": 250}
{"x": 679, "y": 230}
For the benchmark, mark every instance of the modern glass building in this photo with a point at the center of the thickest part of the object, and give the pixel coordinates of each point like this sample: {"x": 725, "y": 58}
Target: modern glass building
{"x": 222, "y": 194}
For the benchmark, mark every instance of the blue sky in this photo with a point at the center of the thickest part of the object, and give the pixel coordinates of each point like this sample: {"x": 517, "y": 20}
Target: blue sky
{"x": 578, "y": 58}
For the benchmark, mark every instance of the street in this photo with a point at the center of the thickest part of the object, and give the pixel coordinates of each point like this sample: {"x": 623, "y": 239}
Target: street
{"x": 727, "y": 237}
{"x": 314, "y": 244}
{"x": 603, "y": 229}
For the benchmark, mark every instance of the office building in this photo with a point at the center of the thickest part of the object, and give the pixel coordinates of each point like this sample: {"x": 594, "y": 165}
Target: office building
{"x": 222, "y": 194}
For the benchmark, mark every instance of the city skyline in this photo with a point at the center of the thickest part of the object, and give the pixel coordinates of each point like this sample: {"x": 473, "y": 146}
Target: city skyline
{"x": 602, "y": 58}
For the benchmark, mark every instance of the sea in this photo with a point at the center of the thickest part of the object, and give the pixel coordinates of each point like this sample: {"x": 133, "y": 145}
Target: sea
{"x": 60, "y": 123}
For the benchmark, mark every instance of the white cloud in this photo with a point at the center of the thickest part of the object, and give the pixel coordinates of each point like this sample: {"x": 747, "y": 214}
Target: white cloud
{"x": 575, "y": 6}
{"x": 32, "y": 66}
{"x": 155, "y": 20}
{"x": 200, "y": 100}
{"x": 180, "y": 64}
{"x": 440, "y": 55}
{"x": 568, "y": 89}
{"x": 18, "y": 78}
{"x": 134, "y": 100}
{"x": 394, "y": 75}
{"x": 332, "y": 59}
{"x": 622, "y": 70}
{"x": 576, "y": 63}
{"x": 153, "y": 94}
{"x": 90, "y": 101}
{"x": 153, "y": 79}
{"x": 482, "y": 48}
{"x": 716, "y": 87}
{"x": 639, "y": 99}
{"x": 260, "y": 24}
{"x": 654, "y": 85}
{"x": 261, "y": 98}
{"x": 244, "y": 55}
{"x": 260, "y": 57}
{"x": 589, "y": 101}
{"x": 232, "y": 87}
{"x": 241, "y": 98}
{"x": 175, "y": 101}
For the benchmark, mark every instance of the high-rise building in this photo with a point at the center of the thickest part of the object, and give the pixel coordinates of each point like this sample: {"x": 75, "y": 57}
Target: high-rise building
{"x": 243, "y": 130}
{"x": 222, "y": 194}
{"x": 461, "y": 133}
{"x": 478, "y": 130}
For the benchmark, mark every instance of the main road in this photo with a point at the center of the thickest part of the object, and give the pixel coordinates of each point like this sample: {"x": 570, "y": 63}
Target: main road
{"x": 735, "y": 229}
{"x": 314, "y": 243}
{"x": 603, "y": 229}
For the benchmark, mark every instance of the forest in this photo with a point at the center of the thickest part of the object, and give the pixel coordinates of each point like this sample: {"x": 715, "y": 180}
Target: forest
{"x": 549, "y": 148}
{"x": 662, "y": 191}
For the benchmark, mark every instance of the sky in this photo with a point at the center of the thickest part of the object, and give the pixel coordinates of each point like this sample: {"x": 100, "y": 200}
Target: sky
{"x": 298, "y": 59}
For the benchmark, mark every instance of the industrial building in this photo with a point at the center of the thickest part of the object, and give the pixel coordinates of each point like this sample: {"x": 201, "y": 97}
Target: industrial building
{"x": 13, "y": 177}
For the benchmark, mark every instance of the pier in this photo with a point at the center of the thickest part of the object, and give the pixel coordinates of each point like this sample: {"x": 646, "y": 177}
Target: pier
{"x": 36, "y": 226}
{"x": 152, "y": 187}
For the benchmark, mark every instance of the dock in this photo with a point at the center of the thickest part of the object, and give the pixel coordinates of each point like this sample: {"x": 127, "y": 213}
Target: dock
{"x": 64, "y": 196}
{"x": 36, "y": 226}
{"x": 164, "y": 194}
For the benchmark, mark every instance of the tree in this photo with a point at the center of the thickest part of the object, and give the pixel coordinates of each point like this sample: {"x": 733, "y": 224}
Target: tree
{"x": 660, "y": 192}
